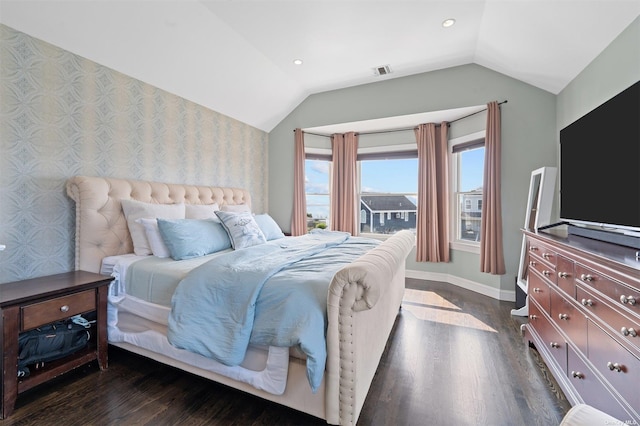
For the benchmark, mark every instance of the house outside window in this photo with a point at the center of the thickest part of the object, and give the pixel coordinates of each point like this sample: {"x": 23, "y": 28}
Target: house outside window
{"x": 389, "y": 204}
{"x": 467, "y": 170}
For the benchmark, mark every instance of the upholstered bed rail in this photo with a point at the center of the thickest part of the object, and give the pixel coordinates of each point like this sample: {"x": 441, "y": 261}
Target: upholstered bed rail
{"x": 363, "y": 301}
{"x": 101, "y": 227}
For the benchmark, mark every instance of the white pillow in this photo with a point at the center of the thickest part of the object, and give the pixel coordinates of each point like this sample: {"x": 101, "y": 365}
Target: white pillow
{"x": 242, "y": 229}
{"x": 201, "y": 211}
{"x": 134, "y": 210}
{"x": 236, "y": 208}
{"x": 152, "y": 232}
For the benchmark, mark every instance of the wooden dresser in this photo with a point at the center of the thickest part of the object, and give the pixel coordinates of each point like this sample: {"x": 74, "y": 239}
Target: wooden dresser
{"x": 584, "y": 319}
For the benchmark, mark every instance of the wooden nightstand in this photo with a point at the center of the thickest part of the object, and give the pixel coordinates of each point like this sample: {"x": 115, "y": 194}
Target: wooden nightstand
{"x": 29, "y": 304}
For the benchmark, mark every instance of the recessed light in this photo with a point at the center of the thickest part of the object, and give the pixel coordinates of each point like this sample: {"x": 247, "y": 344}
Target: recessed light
{"x": 448, "y": 22}
{"x": 297, "y": 61}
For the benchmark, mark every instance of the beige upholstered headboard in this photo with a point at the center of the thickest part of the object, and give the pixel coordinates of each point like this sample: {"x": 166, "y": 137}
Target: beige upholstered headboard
{"x": 101, "y": 228}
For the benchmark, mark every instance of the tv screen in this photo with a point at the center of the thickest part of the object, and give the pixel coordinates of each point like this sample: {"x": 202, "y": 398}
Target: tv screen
{"x": 600, "y": 165}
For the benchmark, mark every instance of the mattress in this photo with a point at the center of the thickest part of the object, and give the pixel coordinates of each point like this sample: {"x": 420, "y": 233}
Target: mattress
{"x": 140, "y": 319}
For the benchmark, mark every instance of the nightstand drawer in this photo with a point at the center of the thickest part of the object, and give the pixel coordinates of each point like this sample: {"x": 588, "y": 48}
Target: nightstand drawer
{"x": 42, "y": 313}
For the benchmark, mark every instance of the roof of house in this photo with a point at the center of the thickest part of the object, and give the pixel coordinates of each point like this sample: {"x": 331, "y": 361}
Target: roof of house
{"x": 388, "y": 203}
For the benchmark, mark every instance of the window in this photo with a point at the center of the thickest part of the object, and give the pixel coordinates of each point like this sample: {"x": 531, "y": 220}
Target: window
{"x": 388, "y": 193}
{"x": 317, "y": 185}
{"x": 467, "y": 174}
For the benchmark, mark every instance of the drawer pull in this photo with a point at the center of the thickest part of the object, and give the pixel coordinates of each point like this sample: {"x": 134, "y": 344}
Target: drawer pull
{"x": 554, "y": 345}
{"x": 563, "y": 317}
{"x": 532, "y": 263}
{"x": 577, "y": 375}
{"x": 563, "y": 274}
{"x": 533, "y": 317}
{"x": 64, "y": 308}
{"x": 586, "y": 277}
{"x": 536, "y": 290}
{"x": 546, "y": 255}
{"x": 614, "y": 366}
{"x": 546, "y": 273}
{"x": 533, "y": 248}
{"x": 587, "y": 302}
{"x": 628, "y": 300}
{"x": 628, "y": 332}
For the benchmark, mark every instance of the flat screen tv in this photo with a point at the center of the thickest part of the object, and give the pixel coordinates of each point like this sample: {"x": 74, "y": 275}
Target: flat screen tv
{"x": 600, "y": 166}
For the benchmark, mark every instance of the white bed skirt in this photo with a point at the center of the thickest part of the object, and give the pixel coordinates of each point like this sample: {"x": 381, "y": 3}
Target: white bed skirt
{"x": 264, "y": 368}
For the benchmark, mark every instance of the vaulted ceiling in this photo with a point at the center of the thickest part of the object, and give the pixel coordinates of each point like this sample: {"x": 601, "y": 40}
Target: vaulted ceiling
{"x": 236, "y": 56}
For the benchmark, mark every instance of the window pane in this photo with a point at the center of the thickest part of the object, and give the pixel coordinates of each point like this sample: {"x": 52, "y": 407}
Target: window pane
{"x": 471, "y": 169}
{"x": 388, "y": 195}
{"x": 317, "y": 178}
{"x": 469, "y": 194}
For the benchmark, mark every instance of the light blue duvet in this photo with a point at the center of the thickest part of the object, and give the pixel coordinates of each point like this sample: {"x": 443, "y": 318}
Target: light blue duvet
{"x": 272, "y": 294}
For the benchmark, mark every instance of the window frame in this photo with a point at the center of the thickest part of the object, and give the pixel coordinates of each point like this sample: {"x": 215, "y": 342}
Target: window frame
{"x": 454, "y": 242}
{"x": 321, "y": 154}
{"x": 382, "y": 152}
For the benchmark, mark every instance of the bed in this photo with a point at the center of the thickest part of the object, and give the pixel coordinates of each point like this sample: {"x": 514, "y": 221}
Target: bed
{"x": 363, "y": 298}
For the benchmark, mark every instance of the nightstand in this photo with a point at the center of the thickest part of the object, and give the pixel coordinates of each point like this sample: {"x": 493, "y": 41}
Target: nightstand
{"x": 32, "y": 303}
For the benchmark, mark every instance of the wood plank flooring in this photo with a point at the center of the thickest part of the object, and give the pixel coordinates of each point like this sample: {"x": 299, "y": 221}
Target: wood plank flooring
{"x": 455, "y": 357}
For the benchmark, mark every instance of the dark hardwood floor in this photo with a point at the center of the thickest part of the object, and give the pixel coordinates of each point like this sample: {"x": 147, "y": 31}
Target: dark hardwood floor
{"x": 455, "y": 357}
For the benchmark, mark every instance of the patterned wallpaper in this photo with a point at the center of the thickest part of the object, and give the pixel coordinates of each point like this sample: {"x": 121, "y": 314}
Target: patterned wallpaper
{"x": 62, "y": 115}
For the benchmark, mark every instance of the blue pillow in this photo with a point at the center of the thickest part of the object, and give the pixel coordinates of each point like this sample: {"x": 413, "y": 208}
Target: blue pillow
{"x": 189, "y": 238}
{"x": 242, "y": 229}
{"x": 269, "y": 227}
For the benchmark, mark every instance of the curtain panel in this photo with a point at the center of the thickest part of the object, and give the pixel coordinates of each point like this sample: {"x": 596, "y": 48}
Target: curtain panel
{"x": 344, "y": 181}
{"x": 432, "y": 224}
{"x": 491, "y": 247}
{"x": 299, "y": 214}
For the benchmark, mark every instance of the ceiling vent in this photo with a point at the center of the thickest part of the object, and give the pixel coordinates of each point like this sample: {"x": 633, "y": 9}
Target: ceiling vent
{"x": 382, "y": 70}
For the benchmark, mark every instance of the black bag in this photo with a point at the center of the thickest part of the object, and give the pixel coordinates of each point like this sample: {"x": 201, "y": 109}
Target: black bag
{"x": 48, "y": 343}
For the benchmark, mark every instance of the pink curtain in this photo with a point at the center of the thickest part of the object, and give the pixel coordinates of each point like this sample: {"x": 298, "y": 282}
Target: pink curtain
{"x": 343, "y": 185}
{"x": 299, "y": 215}
{"x": 432, "y": 244}
{"x": 491, "y": 250}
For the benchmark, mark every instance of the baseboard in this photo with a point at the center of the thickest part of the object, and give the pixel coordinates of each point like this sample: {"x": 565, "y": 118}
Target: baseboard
{"x": 504, "y": 295}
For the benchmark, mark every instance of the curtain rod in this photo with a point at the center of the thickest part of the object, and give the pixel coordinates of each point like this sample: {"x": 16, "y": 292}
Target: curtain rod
{"x": 407, "y": 128}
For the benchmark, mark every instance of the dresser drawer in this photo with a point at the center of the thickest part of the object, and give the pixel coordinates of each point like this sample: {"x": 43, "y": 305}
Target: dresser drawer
{"x": 617, "y": 365}
{"x": 568, "y": 317}
{"x": 591, "y": 389}
{"x": 539, "y": 291}
{"x": 37, "y": 314}
{"x": 553, "y": 340}
{"x": 565, "y": 276}
{"x": 542, "y": 252}
{"x": 544, "y": 269}
{"x": 626, "y": 328}
{"x": 623, "y": 296}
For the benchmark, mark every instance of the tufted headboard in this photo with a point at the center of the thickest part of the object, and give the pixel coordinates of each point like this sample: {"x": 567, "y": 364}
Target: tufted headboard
{"x": 101, "y": 228}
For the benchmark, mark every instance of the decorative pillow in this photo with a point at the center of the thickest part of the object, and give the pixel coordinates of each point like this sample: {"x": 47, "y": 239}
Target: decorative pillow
{"x": 236, "y": 208}
{"x": 134, "y": 210}
{"x": 269, "y": 227}
{"x": 242, "y": 229}
{"x": 201, "y": 211}
{"x": 156, "y": 243}
{"x": 188, "y": 238}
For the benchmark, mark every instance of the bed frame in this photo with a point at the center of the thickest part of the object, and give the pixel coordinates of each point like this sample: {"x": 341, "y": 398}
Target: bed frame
{"x": 363, "y": 301}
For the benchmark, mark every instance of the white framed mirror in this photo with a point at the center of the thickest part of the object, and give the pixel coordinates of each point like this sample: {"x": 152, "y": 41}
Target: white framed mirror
{"x": 538, "y": 214}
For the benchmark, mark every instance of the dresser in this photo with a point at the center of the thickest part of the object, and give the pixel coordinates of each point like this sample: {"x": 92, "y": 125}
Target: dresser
{"x": 584, "y": 318}
{"x": 29, "y": 304}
